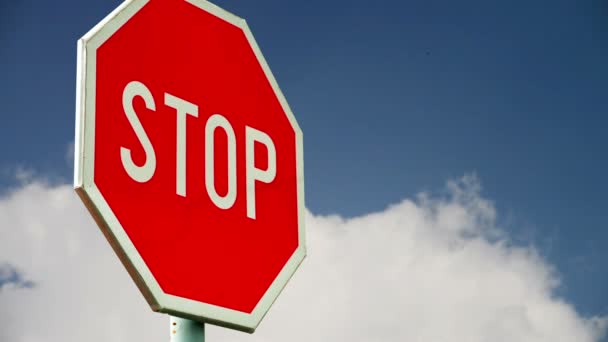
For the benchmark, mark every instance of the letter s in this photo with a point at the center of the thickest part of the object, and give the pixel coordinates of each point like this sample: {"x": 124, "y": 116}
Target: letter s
{"x": 142, "y": 173}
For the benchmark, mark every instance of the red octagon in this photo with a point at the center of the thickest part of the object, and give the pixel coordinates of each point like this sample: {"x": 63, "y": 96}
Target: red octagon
{"x": 190, "y": 159}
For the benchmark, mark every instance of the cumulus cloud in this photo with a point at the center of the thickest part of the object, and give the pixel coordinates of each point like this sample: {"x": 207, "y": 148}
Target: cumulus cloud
{"x": 431, "y": 268}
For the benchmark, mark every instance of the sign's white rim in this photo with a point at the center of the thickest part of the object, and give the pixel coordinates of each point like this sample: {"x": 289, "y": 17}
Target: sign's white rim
{"x": 84, "y": 159}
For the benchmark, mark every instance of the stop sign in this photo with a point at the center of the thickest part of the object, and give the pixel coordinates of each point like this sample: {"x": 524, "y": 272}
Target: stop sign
{"x": 190, "y": 160}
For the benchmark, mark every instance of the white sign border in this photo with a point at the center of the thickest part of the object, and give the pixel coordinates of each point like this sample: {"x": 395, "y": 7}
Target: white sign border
{"x": 84, "y": 159}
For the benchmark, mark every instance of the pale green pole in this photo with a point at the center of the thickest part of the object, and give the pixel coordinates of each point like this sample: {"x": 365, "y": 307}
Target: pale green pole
{"x": 185, "y": 330}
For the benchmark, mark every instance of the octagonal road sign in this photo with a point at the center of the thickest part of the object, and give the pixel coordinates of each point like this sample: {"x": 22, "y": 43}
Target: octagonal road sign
{"x": 190, "y": 160}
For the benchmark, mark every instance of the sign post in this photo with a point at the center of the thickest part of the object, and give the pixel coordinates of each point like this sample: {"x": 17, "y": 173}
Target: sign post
{"x": 185, "y": 330}
{"x": 190, "y": 160}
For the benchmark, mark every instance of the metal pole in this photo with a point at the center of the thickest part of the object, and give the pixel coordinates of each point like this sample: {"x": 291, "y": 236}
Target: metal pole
{"x": 185, "y": 330}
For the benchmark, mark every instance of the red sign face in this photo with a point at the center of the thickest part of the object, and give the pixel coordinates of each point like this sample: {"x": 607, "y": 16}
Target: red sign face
{"x": 190, "y": 159}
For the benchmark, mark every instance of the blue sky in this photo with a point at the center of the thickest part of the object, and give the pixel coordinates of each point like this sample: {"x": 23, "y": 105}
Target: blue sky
{"x": 394, "y": 98}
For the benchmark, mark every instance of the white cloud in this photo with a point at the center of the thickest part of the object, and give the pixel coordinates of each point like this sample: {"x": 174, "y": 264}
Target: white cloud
{"x": 428, "y": 269}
